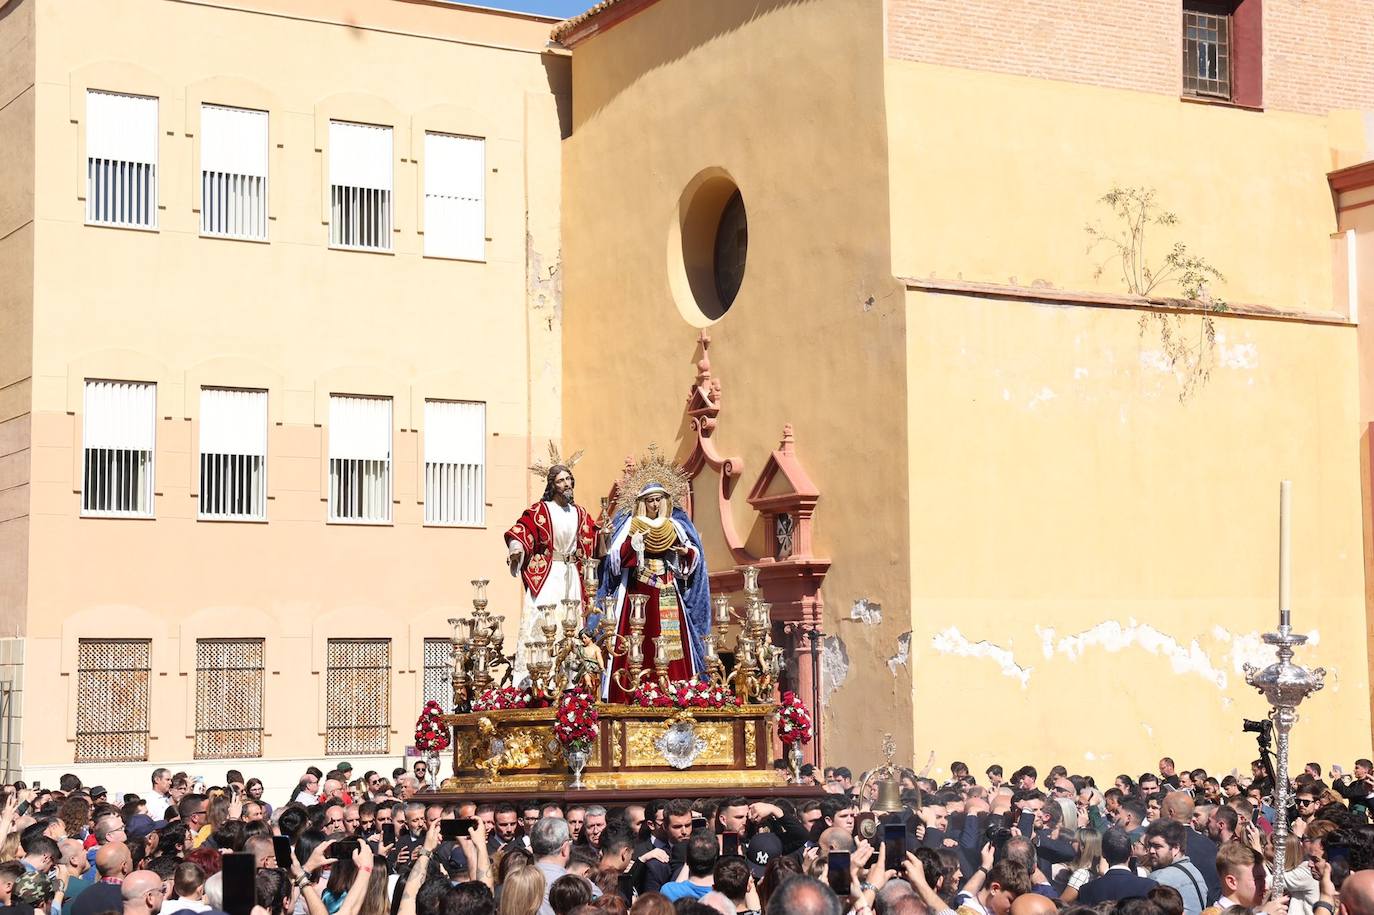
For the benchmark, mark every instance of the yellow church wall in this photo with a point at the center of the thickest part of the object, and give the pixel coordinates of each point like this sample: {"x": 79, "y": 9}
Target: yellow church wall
{"x": 785, "y": 97}
{"x": 1092, "y": 560}
{"x": 994, "y": 178}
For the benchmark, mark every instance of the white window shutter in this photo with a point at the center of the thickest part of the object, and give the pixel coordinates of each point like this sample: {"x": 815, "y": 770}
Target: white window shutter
{"x": 360, "y": 155}
{"x": 455, "y": 196}
{"x": 455, "y": 462}
{"x": 121, "y": 127}
{"x": 360, "y": 428}
{"x": 120, "y": 415}
{"x": 233, "y": 421}
{"x": 233, "y": 140}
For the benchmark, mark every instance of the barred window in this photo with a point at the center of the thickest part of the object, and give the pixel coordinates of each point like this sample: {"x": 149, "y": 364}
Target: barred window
{"x": 233, "y": 172}
{"x": 455, "y": 462}
{"x": 118, "y": 430}
{"x": 359, "y": 458}
{"x": 229, "y": 687}
{"x": 112, "y": 700}
{"x": 1207, "y": 49}
{"x": 439, "y": 672}
{"x": 233, "y": 454}
{"x": 358, "y": 696}
{"x": 359, "y": 186}
{"x": 121, "y": 159}
{"x": 455, "y": 204}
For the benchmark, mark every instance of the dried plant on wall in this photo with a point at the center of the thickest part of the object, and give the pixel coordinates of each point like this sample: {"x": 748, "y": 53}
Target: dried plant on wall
{"x": 1190, "y": 351}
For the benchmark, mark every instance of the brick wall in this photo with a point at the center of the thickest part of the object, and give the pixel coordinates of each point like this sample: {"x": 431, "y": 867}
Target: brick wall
{"x": 1318, "y": 55}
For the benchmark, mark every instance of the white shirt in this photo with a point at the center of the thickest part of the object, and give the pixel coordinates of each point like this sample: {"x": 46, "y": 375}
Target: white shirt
{"x": 158, "y": 804}
{"x": 183, "y": 905}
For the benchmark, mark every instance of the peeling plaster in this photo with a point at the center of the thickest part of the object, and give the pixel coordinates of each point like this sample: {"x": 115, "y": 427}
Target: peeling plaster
{"x": 903, "y": 653}
{"x": 834, "y": 666}
{"x": 1113, "y": 637}
{"x": 1045, "y": 394}
{"x": 952, "y": 641}
{"x": 1236, "y": 355}
{"x": 867, "y": 611}
{"x": 1186, "y": 659}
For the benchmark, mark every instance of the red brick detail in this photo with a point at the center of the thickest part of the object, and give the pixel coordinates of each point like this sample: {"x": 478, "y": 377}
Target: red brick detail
{"x": 1316, "y": 56}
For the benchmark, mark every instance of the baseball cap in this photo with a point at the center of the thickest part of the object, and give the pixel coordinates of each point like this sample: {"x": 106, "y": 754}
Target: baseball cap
{"x": 763, "y": 848}
{"x": 140, "y": 824}
{"x": 345, "y": 766}
{"x": 33, "y": 889}
{"x": 98, "y": 791}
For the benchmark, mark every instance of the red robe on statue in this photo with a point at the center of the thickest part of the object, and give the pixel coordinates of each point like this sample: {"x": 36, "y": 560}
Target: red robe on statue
{"x": 663, "y": 614}
{"x": 534, "y": 532}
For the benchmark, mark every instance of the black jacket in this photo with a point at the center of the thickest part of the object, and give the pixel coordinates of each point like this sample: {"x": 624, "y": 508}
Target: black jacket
{"x": 1113, "y": 886}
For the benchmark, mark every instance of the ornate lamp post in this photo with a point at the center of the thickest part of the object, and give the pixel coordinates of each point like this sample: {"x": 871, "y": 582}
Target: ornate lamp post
{"x": 1284, "y": 684}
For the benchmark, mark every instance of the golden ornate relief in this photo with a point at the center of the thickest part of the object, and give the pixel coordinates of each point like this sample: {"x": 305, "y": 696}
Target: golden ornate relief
{"x": 641, "y": 738}
{"x": 690, "y": 778}
{"x": 751, "y": 733}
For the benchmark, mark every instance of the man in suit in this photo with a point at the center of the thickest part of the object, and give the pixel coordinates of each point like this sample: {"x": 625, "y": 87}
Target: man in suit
{"x": 1202, "y": 851}
{"x": 1119, "y": 882}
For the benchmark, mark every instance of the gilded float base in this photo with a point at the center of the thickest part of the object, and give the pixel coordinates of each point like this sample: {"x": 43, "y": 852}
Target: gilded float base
{"x": 537, "y": 784}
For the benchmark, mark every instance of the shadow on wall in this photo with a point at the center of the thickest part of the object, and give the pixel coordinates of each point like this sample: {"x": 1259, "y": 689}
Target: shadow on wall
{"x": 709, "y": 20}
{"x": 558, "y": 71}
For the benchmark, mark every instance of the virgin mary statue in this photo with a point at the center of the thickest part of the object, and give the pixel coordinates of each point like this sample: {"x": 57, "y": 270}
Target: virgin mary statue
{"x": 655, "y": 551}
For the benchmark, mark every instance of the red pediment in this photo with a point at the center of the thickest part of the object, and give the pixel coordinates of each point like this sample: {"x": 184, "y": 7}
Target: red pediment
{"x": 784, "y": 484}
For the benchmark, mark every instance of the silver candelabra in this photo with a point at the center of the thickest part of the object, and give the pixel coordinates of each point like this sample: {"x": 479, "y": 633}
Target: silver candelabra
{"x": 1284, "y": 684}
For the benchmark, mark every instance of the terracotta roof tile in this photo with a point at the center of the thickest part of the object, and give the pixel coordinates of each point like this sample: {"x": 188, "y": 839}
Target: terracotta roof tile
{"x": 567, "y": 25}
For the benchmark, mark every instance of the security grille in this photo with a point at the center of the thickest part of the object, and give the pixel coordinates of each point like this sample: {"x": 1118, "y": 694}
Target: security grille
{"x": 359, "y": 458}
{"x": 358, "y": 696}
{"x": 121, "y": 159}
{"x": 229, "y": 687}
{"x": 233, "y": 454}
{"x": 112, "y": 700}
{"x": 455, "y": 462}
{"x": 359, "y": 186}
{"x": 455, "y": 204}
{"x": 233, "y": 172}
{"x": 439, "y": 672}
{"x": 1207, "y": 50}
{"x": 118, "y": 421}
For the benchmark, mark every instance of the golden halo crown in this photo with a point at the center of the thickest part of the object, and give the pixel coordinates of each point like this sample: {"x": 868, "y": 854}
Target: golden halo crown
{"x": 652, "y": 467}
{"x": 541, "y": 469}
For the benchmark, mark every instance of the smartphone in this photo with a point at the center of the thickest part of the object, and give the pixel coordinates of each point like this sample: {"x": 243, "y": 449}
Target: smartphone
{"x": 388, "y": 833}
{"x": 894, "y": 844}
{"x": 448, "y": 830}
{"x": 240, "y": 883}
{"x": 729, "y": 843}
{"x": 836, "y": 873}
{"x": 37, "y": 785}
{"x": 281, "y": 846}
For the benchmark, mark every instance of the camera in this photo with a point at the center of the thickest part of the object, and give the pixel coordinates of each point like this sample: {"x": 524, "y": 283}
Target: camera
{"x": 1263, "y": 727}
{"x": 997, "y": 835}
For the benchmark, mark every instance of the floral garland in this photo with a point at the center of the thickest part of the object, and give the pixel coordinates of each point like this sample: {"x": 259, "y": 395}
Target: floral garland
{"x": 430, "y": 734}
{"x": 577, "y": 722}
{"x": 502, "y": 697}
{"x": 794, "y": 720}
{"x": 683, "y": 694}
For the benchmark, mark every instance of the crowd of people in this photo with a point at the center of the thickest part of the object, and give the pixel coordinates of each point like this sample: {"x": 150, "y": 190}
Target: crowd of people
{"x": 1171, "y": 842}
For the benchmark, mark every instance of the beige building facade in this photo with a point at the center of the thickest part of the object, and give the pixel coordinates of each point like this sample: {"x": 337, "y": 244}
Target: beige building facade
{"x": 280, "y": 315}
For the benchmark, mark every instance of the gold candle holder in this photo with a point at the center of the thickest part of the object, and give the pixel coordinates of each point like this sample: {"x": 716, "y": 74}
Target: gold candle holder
{"x": 751, "y": 580}
{"x": 637, "y": 602}
{"x": 479, "y": 596}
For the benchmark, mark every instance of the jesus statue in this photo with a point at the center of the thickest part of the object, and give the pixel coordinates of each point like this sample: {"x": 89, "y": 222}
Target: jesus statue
{"x": 544, "y": 548}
